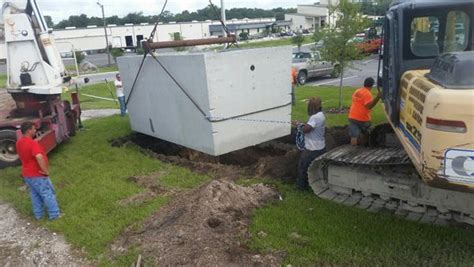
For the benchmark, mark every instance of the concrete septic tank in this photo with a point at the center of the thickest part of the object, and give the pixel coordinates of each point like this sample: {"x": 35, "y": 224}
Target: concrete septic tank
{"x": 245, "y": 96}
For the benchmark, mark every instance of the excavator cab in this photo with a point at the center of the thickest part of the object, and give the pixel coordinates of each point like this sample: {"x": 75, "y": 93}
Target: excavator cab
{"x": 416, "y": 32}
{"x": 428, "y": 96}
{"x": 428, "y": 87}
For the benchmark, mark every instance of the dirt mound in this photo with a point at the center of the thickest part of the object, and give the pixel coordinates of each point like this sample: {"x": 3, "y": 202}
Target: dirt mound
{"x": 203, "y": 227}
{"x": 209, "y": 225}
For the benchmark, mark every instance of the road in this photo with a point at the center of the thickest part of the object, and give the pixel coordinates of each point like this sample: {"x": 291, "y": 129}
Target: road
{"x": 353, "y": 77}
{"x": 97, "y": 77}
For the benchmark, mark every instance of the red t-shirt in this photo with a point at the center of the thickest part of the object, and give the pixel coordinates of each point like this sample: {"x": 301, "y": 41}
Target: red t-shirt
{"x": 360, "y": 99}
{"x": 27, "y": 149}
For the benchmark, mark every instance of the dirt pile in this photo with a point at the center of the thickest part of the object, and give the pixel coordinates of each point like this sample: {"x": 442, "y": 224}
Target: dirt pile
{"x": 204, "y": 227}
{"x": 209, "y": 225}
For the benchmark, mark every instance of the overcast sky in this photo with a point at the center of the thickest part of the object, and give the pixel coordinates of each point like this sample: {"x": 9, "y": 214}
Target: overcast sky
{"x": 60, "y": 10}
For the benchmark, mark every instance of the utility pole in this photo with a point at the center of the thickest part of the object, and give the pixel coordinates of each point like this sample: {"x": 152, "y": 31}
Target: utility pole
{"x": 105, "y": 31}
{"x": 223, "y": 16}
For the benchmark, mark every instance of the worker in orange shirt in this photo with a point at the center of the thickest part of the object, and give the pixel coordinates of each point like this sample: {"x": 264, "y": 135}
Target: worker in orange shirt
{"x": 294, "y": 82}
{"x": 359, "y": 114}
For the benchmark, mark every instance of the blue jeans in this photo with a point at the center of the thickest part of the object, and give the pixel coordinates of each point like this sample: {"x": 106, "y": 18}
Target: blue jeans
{"x": 307, "y": 157}
{"x": 123, "y": 108}
{"x": 43, "y": 194}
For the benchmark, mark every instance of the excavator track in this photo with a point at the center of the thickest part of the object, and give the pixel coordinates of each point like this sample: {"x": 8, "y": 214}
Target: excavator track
{"x": 384, "y": 179}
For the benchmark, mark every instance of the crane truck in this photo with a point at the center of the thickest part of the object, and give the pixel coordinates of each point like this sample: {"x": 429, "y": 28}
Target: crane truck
{"x": 420, "y": 166}
{"x": 36, "y": 77}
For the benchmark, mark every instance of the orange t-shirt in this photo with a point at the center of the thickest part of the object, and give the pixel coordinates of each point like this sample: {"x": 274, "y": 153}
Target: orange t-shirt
{"x": 360, "y": 99}
{"x": 293, "y": 75}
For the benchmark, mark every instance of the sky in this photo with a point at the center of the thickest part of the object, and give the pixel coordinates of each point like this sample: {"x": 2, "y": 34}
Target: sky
{"x": 60, "y": 10}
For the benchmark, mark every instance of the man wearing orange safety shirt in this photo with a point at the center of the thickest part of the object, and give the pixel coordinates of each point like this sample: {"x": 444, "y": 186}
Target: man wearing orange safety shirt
{"x": 293, "y": 84}
{"x": 359, "y": 114}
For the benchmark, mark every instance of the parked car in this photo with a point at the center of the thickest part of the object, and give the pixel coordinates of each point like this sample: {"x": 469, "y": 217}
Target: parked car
{"x": 286, "y": 34}
{"x": 309, "y": 65}
{"x": 319, "y": 44}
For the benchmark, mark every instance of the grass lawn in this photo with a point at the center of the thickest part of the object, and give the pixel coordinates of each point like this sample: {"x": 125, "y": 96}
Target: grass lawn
{"x": 91, "y": 178}
{"x": 3, "y": 81}
{"x": 330, "y": 97}
{"x": 268, "y": 43}
{"x": 271, "y": 43}
{"x": 100, "y": 90}
{"x": 317, "y": 232}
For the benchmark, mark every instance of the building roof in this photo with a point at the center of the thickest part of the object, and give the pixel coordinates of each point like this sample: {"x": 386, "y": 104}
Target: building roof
{"x": 306, "y": 15}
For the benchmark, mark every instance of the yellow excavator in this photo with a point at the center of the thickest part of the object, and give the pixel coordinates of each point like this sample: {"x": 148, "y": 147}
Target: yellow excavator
{"x": 421, "y": 164}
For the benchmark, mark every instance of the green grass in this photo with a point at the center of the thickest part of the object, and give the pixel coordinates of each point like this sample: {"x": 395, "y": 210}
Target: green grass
{"x": 3, "y": 81}
{"x": 72, "y": 69}
{"x": 318, "y": 232}
{"x": 90, "y": 178}
{"x": 330, "y": 97}
{"x": 100, "y": 90}
{"x": 268, "y": 43}
{"x": 272, "y": 43}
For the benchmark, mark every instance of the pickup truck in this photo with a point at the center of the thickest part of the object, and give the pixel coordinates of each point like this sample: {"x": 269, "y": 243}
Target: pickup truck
{"x": 309, "y": 65}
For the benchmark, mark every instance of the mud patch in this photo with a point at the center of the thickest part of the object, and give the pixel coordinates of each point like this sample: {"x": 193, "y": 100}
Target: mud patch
{"x": 149, "y": 182}
{"x": 152, "y": 189}
{"x": 204, "y": 227}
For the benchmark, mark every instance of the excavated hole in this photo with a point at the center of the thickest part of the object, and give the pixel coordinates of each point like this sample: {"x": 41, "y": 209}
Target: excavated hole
{"x": 245, "y": 157}
{"x": 214, "y": 222}
{"x": 276, "y": 159}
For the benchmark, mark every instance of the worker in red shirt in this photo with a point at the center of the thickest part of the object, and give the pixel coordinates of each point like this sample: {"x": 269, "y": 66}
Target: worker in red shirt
{"x": 359, "y": 114}
{"x": 35, "y": 172}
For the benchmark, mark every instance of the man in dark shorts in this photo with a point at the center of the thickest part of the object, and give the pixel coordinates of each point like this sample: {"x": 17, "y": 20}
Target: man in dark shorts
{"x": 359, "y": 114}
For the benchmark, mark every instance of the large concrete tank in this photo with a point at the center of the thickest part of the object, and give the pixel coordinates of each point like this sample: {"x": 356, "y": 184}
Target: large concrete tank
{"x": 245, "y": 95}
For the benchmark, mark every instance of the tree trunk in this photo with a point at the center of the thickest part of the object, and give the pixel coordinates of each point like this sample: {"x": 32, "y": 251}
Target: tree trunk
{"x": 340, "y": 86}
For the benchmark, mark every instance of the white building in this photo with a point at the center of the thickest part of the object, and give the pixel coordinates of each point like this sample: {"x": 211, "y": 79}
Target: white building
{"x": 311, "y": 17}
{"x": 92, "y": 38}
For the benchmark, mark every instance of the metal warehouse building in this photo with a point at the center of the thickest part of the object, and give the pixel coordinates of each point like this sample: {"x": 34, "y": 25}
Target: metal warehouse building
{"x": 92, "y": 38}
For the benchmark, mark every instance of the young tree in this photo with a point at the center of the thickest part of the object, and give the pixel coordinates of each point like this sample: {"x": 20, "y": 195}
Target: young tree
{"x": 177, "y": 37}
{"x": 298, "y": 40}
{"x": 116, "y": 52}
{"x": 79, "y": 56}
{"x": 337, "y": 37}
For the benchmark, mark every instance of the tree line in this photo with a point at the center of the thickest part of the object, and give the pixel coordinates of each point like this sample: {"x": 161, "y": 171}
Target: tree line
{"x": 207, "y": 13}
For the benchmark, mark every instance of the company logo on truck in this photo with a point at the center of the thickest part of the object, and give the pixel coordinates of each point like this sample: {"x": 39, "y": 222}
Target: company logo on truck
{"x": 459, "y": 165}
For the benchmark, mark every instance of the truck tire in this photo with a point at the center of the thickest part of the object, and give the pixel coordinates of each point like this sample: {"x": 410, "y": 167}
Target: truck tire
{"x": 302, "y": 76}
{"x": 8, "y": 155}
